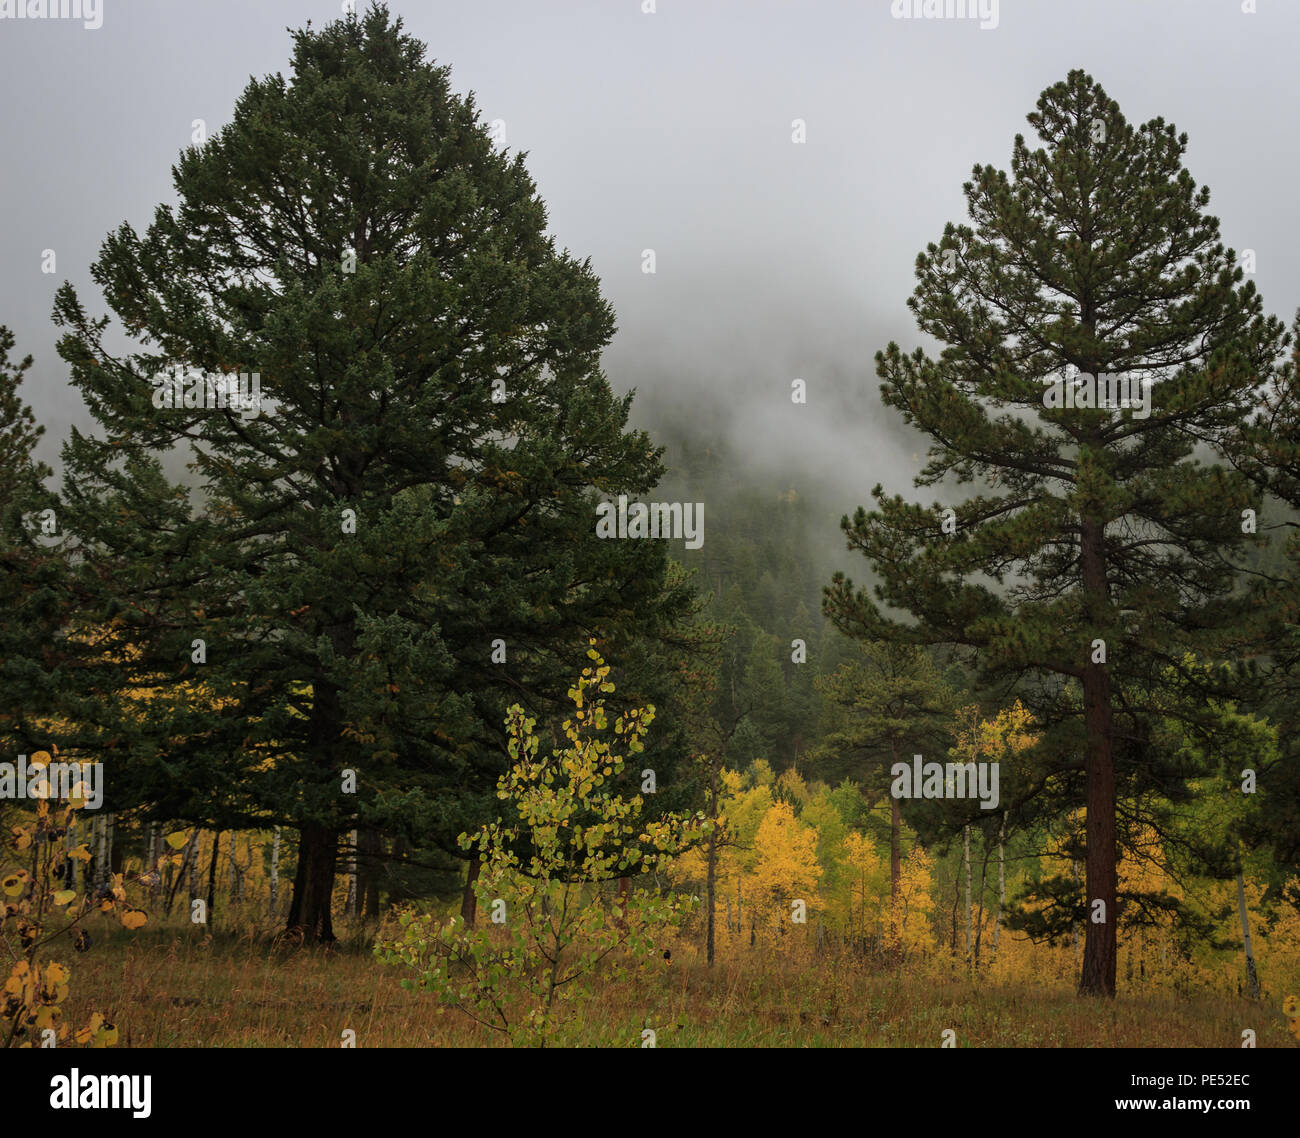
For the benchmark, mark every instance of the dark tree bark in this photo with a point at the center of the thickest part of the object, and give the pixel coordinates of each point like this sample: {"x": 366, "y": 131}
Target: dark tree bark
{"x": 212, "y": 877}
{"x": 1099, "y": 943}
{"x": 313, "y": 884}
{"x": 468, "y": 900}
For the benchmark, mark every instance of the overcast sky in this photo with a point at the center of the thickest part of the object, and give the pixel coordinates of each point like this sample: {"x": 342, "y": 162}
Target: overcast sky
{"x": 672, "y": 131}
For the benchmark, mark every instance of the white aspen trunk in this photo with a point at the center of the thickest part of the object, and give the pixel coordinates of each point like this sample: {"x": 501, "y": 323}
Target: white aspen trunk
{"x": 1002, "y": 880}
{"x": 155, "y": 837}
{"x": 1252, "y": 976}
{"x": 351, "y": 908}
{"x": 275, "y": 872}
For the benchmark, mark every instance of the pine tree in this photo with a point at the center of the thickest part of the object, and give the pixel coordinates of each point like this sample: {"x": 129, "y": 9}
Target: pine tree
{"x": 1103, "y": 546}
{"x": 396, "y": 540}
{"x": 31, "y": 567}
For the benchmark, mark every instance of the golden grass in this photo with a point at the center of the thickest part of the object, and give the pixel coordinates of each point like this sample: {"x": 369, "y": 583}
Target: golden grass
{"x": 180, "y": 987}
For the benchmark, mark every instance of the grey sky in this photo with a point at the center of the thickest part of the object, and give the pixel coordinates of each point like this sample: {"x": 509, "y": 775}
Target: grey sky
{"x": 672, "y": 131}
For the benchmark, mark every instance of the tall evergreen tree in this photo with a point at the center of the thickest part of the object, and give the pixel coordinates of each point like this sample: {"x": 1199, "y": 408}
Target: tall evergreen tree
{"x": 1103, "y": 548}
{"x": 398, "y": 539}
{"x": 29, "y": 569}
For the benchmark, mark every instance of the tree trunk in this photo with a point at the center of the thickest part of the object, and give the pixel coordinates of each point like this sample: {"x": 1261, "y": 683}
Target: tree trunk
{"x": 895, "y": 840}
{"x": 70, "y": 864}
{"x": 155, "y": 855}
{"x": 180, "y": 872}
{"x": 895, "y": 866}
{"x": 965, "y": 857}
{"x": 353, "y": 901}
{"x": 1002, "y": 879}
{"x": 114, "y": 864}
{"x": 468, "y": 899}
{"x": 711, "y": 867}
{"x": 313, "y": 884}
{"x": 192, "y": 881}
{"x": 275, "y": 872}
{"x": 101, "y": 853}
{"x": 212, "y": 877}
{"x": 372, "y": 846}
{"x": 1252, "y": 977}
{"x": 310, "y": 915}
{"x": 1074, "y": 932}
{"x": 1100, "y": 942}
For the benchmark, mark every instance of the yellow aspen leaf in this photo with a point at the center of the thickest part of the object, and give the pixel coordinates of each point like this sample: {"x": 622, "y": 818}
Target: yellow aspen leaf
{"x": 134, "y": 919}
{"x": 176, "y": 841}
{"x": 65, "y": 896}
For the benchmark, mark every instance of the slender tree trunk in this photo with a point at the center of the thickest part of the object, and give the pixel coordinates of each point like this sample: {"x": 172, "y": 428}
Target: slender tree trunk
{"x": 895, "y": 867}
{"x": 114, "y": 863}
{"x": 966, "y": 862}
{"x": 181, "y": 872}
{"x": 155, "y": 855}
{"x": 353, "y": 898}
{"x": 711, "y": 867}
{"x": 101, "y": 853}
{"x": 895, "y": 839}
{"x": 275, "y": 873}
{"x": 1002, "y": 879}
{"x": 372, "y": 845}
{"x": 239, "y": 869}
{"x": 1100, "y": 942}
{"x": 232, "y": 867}
{"x": 468, "y": 899}
{"x": 70, "y": 864}
{"x": 1074, "y": 933}
{"x": 192, "y": 881}
{"x": 956, "y": 900}
{"x": 212, "y": 877}
{"x": 1252, "y": 977}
